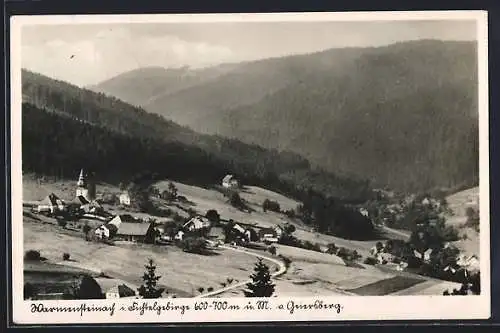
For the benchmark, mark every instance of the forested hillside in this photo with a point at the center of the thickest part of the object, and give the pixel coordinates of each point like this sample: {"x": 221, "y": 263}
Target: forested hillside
{"x": 403, "y": 115}
{"x": 282, "y": 171}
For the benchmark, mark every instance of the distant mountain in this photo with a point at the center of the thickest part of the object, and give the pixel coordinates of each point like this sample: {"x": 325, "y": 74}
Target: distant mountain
{"x": 66, "y": 127}
{"x": 144, "y": 85}
{"x": 403, "y": 115}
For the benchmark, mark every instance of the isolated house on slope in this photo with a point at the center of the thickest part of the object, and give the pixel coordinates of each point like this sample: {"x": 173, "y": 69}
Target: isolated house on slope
{"x": 229, "y": 181}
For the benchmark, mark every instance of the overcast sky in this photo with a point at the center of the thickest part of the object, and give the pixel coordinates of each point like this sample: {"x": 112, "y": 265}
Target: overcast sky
{"x": 87, "y": 54}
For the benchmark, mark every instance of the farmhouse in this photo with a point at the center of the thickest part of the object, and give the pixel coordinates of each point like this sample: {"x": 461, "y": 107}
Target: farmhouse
{"x": 239, "y": 229}
{"x": 268, "y": 235}
{"x": 112, "y": 288}
{"x": 229, "y": 181}
{"x": 425, "y": 256}
{"x": 92, "y": 207}
{"x": 132, "y": 232}
{"x": 51, "y": 204}
{"x": 196, "y": 223}
{"x": 251, "y": 235}
{"x": 125, "y": 199}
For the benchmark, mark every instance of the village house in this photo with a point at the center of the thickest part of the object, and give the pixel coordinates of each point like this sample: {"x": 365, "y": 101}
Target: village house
{"x": 92, "y": 207}
{"x": 125, "y": 198}
{"x": 239, "y": 229}
{"x": 113, "y": 288}
{"x": 196, "y": 223}
{"x": 268, "y": 235}
{"x": 384, "y": 257}
{"x": 179, "y": 235}
{"x": 229, "y": 181}
{"x": 109, "y": 229}
{"x": 51, "y": 204}
{"x": 425, "y": 256}
{"x": 363, "y": 211}
{"x": 132, "y": 232}
{"x": 251, "y": 235}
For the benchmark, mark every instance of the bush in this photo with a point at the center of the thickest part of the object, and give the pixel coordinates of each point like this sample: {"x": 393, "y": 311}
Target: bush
{"x": 210, "y": 289}
{"x": 32, "y": 255}
{"x": 62, "y": 222}
{"x": 236, "y": 201}
{"x": 194, "y": 245}
{"x": 290, "y": 213}
{"x": 370, "y": 261}
{"x": 272, "y": 250}
{"x": 286, "y": 260}
{"x": 29, "y": 291}
{"x": 201, "y": 290}
{"x": 332, "y": 248}
{"x": 310, "y": 246}
{"x": 273, "y": 206}
{"x": 66, "y": 256}
{"x": 110, "y": 199}
{"x": 213, "y": 216}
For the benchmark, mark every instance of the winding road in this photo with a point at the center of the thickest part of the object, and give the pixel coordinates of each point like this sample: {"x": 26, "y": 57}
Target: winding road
{"x": 281, "y": 271}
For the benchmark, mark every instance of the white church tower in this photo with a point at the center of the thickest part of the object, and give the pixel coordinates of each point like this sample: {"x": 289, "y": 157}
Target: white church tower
{"x": 82, "y": 189}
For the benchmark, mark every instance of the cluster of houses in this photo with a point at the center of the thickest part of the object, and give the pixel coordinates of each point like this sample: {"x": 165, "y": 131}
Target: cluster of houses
{"x": 198, "y": 226}
{"x": 466, "y": 263}
{"x": 84, "y": 202}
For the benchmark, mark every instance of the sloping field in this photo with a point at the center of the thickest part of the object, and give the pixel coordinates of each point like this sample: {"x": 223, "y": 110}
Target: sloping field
{"x": 182, "y": 273}
{"x": 298, "y": 254}
{"x": 205, "y": 199}
{"x": 256, "y": 196}
{"x": 386, "y": 286}
{"x": 37, "y": 188}
{"x": 428, "y": 288}
{"x": 458, "y": 203}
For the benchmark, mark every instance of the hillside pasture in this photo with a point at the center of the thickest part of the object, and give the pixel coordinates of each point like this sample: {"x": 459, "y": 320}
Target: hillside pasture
{"x": 458, "y": 203}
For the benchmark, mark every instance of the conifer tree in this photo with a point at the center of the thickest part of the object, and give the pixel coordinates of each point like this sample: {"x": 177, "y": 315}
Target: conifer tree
{"x": 149, "y": 288}
{"x": 261, "y": 285}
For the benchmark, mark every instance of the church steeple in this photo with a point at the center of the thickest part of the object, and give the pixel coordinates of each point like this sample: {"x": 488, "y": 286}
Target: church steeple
{"x": 81, "y": 180}
{"x": 81, "y": 186}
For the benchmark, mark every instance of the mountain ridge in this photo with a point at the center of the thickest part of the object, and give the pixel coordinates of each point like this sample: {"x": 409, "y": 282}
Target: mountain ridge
{"x": 333, "y": 101}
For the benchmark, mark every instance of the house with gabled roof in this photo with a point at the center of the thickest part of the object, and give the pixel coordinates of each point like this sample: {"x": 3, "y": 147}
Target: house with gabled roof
{"x": 113, "y": 288}
{"x": 268, "y": 235}
{"x": 229, "y": 181}
{"x": 132, "y": 232}
{"x": 51, "y": 204}
{"x": 196, "y": 223}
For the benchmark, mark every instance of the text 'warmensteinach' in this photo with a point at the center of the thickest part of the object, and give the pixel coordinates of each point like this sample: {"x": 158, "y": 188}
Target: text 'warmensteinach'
{"x": 41, "y": 308}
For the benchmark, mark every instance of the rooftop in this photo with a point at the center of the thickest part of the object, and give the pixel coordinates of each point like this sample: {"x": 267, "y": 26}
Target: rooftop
{"x": 133, "y": 229}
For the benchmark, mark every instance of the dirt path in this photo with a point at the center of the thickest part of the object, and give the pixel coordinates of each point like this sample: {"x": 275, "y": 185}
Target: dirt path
{"x": 400, "y": 233}
{"x": 281, "y": 271}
